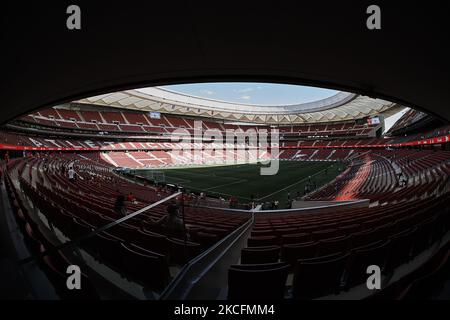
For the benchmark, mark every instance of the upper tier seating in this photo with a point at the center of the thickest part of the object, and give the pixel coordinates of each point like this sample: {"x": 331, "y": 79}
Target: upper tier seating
{"x": 68, "y": 114}
{"x": 131, "y": 121}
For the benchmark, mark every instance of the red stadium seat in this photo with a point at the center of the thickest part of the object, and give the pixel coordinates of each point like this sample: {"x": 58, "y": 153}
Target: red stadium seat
{"x": 362, "y": 257}
{"x": 181, "y": 252}
{"x": 260, "y": 255}
{"x": 261, "y": 282}
{"x": 318, "y": 277}
{"x": 56, "y": 265}
{"x": 402, "y": 244}
{"x": 297, "y": 238}
{"x": 149, "y": 268}
{"x": 263, "y": 241}
{"x": 291, "y": 253}
{"x": 331, "y": 245}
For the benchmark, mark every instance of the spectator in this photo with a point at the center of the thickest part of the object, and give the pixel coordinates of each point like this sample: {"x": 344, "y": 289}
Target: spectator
{"x": 119, "y": 206}
{"x": 276, "y": 204}
{"x": 172, "y": 224}
{"x": 72, "y": 174}
{"x": 233, "y": 202}
{"x": 131, "y": 197}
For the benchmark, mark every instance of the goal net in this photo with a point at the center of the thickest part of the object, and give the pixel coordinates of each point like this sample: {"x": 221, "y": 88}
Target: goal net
{"x": 157, "y": 176}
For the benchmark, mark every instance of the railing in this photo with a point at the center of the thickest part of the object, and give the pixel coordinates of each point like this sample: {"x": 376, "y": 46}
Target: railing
{"x": 75, "y": 242}
{"x": 196, "y": 269}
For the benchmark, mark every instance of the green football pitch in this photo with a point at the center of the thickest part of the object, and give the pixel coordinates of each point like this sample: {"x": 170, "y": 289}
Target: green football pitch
{"x": 245, "y": 182}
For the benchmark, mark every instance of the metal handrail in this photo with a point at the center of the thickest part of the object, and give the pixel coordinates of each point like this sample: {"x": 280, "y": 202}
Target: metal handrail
{"x": 77, "y": 241}
{"x": 235, "y": 235}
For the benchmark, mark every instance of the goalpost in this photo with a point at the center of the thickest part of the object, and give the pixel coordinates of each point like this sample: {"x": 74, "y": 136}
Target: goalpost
{"x": 157, "y": 176}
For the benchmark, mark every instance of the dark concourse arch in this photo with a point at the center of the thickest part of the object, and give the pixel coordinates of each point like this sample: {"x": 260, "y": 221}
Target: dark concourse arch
{"x": 320, "y": 43}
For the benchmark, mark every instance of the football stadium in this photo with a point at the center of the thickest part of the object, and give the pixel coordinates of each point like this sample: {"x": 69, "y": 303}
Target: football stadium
{"x": 303, "y": 197}
{"x": 258, "y": 155}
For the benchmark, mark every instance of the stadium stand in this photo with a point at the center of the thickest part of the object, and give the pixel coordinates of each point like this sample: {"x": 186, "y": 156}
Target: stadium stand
{"x": 92, "y": 205}
{"x": 131, "y": 122}
{"x": 317, "y": 252}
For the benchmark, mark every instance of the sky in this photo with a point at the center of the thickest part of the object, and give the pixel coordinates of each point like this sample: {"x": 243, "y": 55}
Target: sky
{"x": 254, "y": 93}
{"x": 389, "y": 122}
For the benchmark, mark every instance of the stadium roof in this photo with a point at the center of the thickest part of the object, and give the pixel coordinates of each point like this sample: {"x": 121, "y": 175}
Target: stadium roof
{"x": 339, "y": 107}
